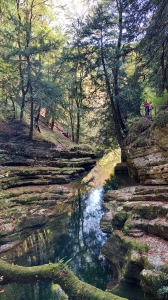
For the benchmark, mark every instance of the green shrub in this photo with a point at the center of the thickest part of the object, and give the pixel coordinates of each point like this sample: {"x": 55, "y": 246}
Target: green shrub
{"x": 138, "y": 127}
{"x": 113, "y": 183}
{"x": 160, "y": 120}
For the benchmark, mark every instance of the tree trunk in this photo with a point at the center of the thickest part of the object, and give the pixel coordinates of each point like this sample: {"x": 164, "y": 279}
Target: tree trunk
{"x": 23, "y": 91}
{"x": 72, "y": 129}
{"x": 13, "y": 106}
{"x": 52, "y": 123}
{"x": 117, "y": 68}
{"x": 72, "y": 119}
{"x": 31, "y": 112}
{"x": 72, "y": 286}
{"x": 117, "y": 124}
{"x": 164, "y": 65}
{"x": 37, "y": 119}
{"x": 78, "y": 125}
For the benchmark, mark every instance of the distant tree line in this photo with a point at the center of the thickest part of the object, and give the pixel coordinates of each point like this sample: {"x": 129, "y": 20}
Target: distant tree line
{"x": 91, "y": 77}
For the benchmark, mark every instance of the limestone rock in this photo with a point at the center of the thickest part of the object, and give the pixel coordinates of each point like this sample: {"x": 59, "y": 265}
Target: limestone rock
{"x": 138, "y": 245}
{"x": 31, "y": 221}
{"x": 147, "y": 150}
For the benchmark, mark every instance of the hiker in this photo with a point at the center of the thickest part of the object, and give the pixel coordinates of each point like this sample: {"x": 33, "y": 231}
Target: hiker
{"x": 146, "y": 105}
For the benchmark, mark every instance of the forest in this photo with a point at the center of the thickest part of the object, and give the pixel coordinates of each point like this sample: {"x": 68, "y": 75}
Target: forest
{"x": 88, "y": 67}
{"x": 90, "y": 64}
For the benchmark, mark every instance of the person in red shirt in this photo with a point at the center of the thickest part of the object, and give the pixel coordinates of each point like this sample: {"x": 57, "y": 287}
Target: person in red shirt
{"x": 146, "y": 105}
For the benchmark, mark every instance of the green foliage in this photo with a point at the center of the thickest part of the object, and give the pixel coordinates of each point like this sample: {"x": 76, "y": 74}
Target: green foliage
{"x": 140, "y": 141}
{"x": 164, "y": 269}
{"x": 63, "y": 263}
{"x": 26, "y": 38}
{"x": 127, "y": 226}
{"x": 95, "y": 81}
{"x": 139, "y": 124}
{"x": 135, "y": 245}
{"x": 138, "y": 132}
{"x": 150, "y": 95}
{"x": 160, "y": 101}
{"x": 160, "y": 120}
{"x": 113, "y": 183}
{"x": 153, "y": 46}
{"x": 163, "y": 292}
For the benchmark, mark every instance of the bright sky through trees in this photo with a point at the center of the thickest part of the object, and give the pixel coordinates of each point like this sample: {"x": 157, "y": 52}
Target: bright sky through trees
{"x": 72, "y": 9}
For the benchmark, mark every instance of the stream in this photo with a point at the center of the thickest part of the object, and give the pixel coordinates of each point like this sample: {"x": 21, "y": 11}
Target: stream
{"x": 74, "y": 237}
{"x": 80, "y": 241}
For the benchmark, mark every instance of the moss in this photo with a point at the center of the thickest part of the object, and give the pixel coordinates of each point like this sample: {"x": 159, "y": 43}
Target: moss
{"x": 122, "y": 216}
{"x": 58, "y": 273}
{"x": 127, "y": 226}
{"x": 164, "y": 269}
{"x": 117, "y": 252}
{"x": 144, "y": 259}
{"x": 155, "y": 282}
{"x": 160, "y": 120}
{"x": 119, "y": 219}
{"x": 141, "y": 141}
{"x": 148, "y": 212}
{"x": 85, "y": 147}
{"x": 138, "y": 127}
{"x": 142, "y": 248}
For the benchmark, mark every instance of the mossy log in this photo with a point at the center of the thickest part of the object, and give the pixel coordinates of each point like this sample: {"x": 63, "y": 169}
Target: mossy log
{"x": 57, "y": 273}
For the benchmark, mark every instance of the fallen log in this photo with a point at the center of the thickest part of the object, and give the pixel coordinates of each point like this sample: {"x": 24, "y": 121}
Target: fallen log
{"x": 58, "y": 273}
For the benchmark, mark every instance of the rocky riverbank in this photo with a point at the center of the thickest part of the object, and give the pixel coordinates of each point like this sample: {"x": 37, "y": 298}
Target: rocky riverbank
{"x": 35, "y": 177}
{"x": 137, "y": 216}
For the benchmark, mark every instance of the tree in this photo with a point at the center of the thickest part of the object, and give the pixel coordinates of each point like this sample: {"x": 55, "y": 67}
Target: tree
{"x": 106, "y": 43}
{"x": 153, "y": 46}
{"x": 30, "y": 36}
{"x": 77, "y": 91}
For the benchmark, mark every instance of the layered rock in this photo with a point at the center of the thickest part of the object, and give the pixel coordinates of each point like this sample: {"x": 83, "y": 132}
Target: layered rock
{"x": 138, "y": 246}
{"x": 39, "y": 162}
{"x": 31, "y": 206}
{"x": 33, "y": 175}
{"x": 147, "y": 150}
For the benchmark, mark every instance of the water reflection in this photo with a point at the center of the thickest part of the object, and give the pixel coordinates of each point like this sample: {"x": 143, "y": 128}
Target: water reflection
{"x": 38, "y": 291}
{"x": 88, "y": 241}
{"x": 103, "y": 169}
{"x": 75, "y": 235}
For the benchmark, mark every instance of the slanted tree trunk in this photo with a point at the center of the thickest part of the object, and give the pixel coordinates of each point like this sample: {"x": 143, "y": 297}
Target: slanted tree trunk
{"x": 78, "y": 125}
{"x": 31, "y": 112}
{"x": 52, "y": 123}
{"x": 72, "y": 286}
{"x": 72, "y": 119}
{"x": 37, "y": 118}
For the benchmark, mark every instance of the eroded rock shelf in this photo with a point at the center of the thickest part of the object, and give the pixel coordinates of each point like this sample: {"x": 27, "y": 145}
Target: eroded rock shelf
{"x": 137, "y": 216}
{"x": 34, "y": 178}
